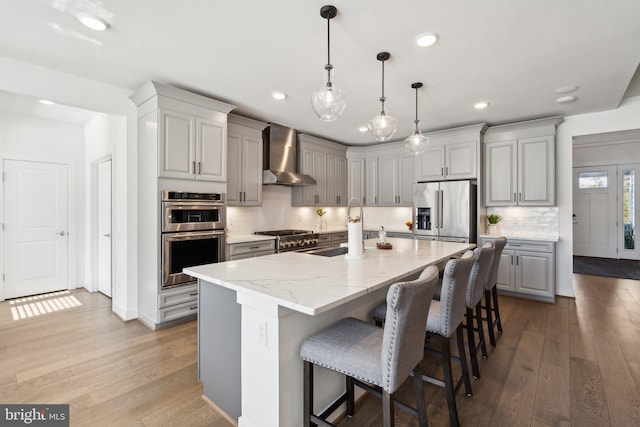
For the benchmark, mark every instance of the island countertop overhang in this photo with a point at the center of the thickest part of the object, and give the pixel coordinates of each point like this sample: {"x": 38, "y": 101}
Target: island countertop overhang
{"x": 312, "y": 284}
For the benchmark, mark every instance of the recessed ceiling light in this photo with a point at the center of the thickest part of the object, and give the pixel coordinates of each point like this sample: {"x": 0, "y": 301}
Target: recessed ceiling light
{"x": 566, "y": 99}
{"x": 427, "y": 39}
{"x": 567, "y": 89}
{"x": 46, "y": 102}
{"x": 93, "y": 22}
{"x": 481, "y": 105}
{"x": 363, "y": 128}
{"x": 278, "y": 95}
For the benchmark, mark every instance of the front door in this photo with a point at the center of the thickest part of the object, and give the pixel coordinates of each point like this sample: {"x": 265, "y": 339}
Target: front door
{"x": 595, "y": 211}
{"x": 36, "y": 243}
{"x": 104, "y": 227}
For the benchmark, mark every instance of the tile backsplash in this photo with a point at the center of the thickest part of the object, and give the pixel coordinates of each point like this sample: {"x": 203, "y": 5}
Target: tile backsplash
{"x": 529, "y": 221}
{"x": 277, "y": 213}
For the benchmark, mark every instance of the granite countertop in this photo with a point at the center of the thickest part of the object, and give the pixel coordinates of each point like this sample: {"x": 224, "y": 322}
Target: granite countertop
{"x": 314, "y": 284}
{"x": 524, "y": 236}
{"x": 245, "y": 238}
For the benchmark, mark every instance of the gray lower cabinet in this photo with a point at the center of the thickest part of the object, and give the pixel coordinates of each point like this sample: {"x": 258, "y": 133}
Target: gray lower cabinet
{"x": 527, "y": 268}
{"x": 243, "y": 250}
{"x": 332, "y": 240}
{"x": 177, "y": 303}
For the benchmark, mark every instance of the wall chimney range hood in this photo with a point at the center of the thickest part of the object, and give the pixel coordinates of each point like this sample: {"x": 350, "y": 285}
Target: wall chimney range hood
{"x": 280, "y": 157}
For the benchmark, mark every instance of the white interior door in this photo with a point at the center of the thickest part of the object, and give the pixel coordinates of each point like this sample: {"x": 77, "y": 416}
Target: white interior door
{"x": 36, "y": 228}
{"x": 104, "y": 227}
{"x": 595, "y": 211}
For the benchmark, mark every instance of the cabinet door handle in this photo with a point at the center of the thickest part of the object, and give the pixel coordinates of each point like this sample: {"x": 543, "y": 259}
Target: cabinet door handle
{"x": 199, "y": 167}
{"x": 514, "y": 198}
{"x": 193, "y": 164}
{"x": 511, "y": 259}
{"x": 364, "y": 200}
{"x": 517, "y": 260}
{"x": 239, "y": 196}
{"x": 244, "y": 196}
{"x": 519, "y": 197}
{"x": 446, "y": 170}
{"x": 442, "y": 171}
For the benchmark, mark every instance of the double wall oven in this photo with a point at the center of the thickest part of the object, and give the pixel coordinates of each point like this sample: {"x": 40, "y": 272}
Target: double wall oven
{"x": 193, "y": 233}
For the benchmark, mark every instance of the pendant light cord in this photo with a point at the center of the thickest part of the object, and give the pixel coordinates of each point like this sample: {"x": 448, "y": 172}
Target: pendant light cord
{"x": 328, "y": 67}
{"x": 382, "y": 98}
{"x": 417, "y": 121}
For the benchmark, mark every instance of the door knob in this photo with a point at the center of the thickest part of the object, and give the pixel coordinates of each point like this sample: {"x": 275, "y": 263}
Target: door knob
{"x": 106, "y": 234}
{"x": 61, "y": 233}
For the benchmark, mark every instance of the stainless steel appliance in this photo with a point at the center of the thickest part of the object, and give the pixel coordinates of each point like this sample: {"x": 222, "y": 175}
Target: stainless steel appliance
{"x": 445, "y": 210}
{"x": 280, "y": 157}
{"x": 293, "y": 240}
{"x": 193, "y": 233}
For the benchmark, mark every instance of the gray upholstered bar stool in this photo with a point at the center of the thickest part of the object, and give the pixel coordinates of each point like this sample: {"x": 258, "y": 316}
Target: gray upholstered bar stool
{"x": 475, "y": 289}
{"x": 377, "y": 360}
{"x": 491, "y": 291}
{"x": 444, "y": 320}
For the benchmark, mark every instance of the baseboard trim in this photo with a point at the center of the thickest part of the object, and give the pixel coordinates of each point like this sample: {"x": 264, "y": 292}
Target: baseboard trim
{"x": 220, "y": 411}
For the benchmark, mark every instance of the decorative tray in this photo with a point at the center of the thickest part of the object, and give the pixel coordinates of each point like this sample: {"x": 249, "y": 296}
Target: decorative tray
{"x": 384, "y": 245}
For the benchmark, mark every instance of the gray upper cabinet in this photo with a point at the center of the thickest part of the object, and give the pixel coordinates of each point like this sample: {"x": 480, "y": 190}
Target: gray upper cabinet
{"x": 326, "y": 162}
{"x": 244, "y": 161}
{"x": 519, "y": 164}
{"x": 452, "y": 154}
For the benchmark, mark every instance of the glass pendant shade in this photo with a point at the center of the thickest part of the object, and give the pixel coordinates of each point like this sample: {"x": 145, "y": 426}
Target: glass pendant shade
{"x": 417, "y": 143}
{"x": 328, "y": 102}
{"x": 382, "y": 126}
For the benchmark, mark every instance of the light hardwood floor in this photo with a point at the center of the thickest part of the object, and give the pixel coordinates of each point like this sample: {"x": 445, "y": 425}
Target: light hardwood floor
{"x": 576, "y": 362}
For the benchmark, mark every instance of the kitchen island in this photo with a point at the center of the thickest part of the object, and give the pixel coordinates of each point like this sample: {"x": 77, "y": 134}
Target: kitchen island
{"x": 253, "y": 314}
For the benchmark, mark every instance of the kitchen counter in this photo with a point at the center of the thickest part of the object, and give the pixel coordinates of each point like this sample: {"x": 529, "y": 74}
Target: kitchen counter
{"x": 524, "y": 236}
{"x": 253, "y": 314}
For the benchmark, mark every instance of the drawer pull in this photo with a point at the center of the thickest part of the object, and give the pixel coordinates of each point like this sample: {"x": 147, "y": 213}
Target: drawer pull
{"x": 254, "y": 247}
{"x": 193, "y": 308}
{"x": 193, "y": 294}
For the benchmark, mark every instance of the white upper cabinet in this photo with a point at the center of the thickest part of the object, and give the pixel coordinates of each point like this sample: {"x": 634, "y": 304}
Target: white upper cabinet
{"x": 519, "y": 164}
{"x": 326, "y": 162}
{"x": 190, "y": 138}
{"x": 244, "y": 161}
{"x": 356, "y": 178}
{"x": 452, "y": 154}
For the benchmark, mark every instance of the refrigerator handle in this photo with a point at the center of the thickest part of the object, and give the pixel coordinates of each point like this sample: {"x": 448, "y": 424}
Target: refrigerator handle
{"x": 436, "y": 210}
{"x": 441, "y": 208}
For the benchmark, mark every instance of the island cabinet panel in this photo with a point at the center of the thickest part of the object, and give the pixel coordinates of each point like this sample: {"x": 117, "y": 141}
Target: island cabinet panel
{"x": 326, "y": 162}
{"x": 519, "y": 164}
{"x": 244, "y": 161}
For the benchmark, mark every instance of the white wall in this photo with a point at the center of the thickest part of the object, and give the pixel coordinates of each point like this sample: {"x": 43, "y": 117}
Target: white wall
{"x": 626, "y": 117}
{"x": 101, "y": 133}
{"x": 24, "y": 137}
{"x": 39, "y": 82}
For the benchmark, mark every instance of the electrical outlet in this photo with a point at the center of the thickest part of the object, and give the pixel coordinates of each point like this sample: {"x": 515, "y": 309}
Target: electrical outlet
{"x": 262, "y": 333}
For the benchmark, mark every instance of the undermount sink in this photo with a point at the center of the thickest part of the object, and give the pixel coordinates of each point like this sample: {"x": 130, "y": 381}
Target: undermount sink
{"x": 329, "y": 252}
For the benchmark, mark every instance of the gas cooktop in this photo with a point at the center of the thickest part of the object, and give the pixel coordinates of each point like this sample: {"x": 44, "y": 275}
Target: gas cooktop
{"x": 284, "y": 232}
{"x": 293, "y": 240}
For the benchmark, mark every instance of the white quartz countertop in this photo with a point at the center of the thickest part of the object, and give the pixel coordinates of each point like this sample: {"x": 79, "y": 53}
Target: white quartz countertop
{"x": 313, "y": 284}
{"x": 244, "y": 238}
{"x": 524, "y": 236}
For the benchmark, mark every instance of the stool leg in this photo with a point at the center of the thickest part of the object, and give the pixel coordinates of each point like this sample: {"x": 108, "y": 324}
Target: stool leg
{"x": 418, "y": 389}
{"x": 489, "y": 311}
{"x": 449, "y": 389}
{"x": 483, "y": 344}
{"x": 308, "y": 394}
{"x": 388, "y": 414}
{"x": 350, "y": 397}
{"x": 462, "y": 355}
{"x": 496, "y": 308}
{"x": 472, "y": 344}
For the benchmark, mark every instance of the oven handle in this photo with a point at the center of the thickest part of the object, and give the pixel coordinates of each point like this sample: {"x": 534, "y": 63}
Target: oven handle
{"x": 191, "y": 235}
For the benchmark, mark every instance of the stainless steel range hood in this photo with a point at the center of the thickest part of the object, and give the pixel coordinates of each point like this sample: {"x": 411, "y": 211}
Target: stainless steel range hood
{"x": 280, "y": 157}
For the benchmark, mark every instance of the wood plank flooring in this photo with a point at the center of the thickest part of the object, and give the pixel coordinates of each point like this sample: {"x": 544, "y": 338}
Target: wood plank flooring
{"x": 573, "y": 363}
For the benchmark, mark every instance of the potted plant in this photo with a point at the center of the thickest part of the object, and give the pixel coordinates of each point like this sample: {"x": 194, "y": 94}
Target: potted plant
{"x": 493, "y": 220}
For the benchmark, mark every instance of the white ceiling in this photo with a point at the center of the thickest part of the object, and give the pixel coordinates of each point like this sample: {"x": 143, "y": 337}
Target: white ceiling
{"x": 512, "y": 54}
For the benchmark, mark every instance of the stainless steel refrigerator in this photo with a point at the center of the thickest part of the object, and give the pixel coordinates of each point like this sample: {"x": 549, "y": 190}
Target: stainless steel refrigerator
{"x": 445, "y": 210}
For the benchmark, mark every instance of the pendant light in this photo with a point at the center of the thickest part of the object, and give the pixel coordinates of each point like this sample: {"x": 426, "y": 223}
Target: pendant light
{"x": 416, "y": 143}
{"x": 382, "y": 126}
{"x": 328, "y": 102}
